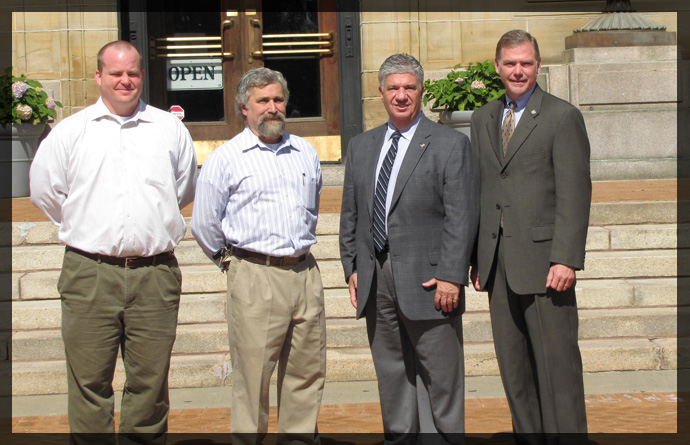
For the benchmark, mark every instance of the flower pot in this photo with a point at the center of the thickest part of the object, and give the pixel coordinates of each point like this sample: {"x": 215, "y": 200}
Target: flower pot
{"x": 24, "y": 138}
{"x": 458, "y": 120}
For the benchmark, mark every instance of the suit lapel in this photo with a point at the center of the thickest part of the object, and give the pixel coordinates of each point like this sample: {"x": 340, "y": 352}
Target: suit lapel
{"x": 526, "y": 124}
{"x": 373, "y": 154}
{"x": 418, "y": 145}
{"x": 493, "y": 127}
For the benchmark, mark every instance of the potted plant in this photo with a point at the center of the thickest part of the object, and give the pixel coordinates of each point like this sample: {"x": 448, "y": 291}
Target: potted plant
{"x": 463, "y": 91}
{"x": 25, "y": 109}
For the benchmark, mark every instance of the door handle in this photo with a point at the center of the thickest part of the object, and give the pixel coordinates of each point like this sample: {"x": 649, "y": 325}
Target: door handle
{"x": 223, "y": 26}
{"x": 254, "y": 35}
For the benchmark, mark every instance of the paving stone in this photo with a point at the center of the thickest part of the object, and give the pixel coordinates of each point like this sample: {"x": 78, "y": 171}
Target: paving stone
{"x": 202, "y": 308}
{"x": 337, "y": 303}
{"x": 630, "y": 264}
{"x": 327, "y": 248}
{"x": 36, "y": 314}
{"x": 203, "y": 279}
{"x": 30, "y": 258}
{"x": 651, "y": 236}
{"x": 652, "y": 212}
{"x": 655, "y": 292}
{"x": 597, "y": 238}
{"x": 39, "y": 285}
{"x": 627, "y": 322}
{"x": 328, "y": 224}
{"x": 188, "y": 252}
{"x": 332, "y": 274}
{"x": 604, "y": 294}
{"x": 42, "y": 233}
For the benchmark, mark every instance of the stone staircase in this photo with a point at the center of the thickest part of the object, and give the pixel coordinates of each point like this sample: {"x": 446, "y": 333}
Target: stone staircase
{"x": 627, "y": 297}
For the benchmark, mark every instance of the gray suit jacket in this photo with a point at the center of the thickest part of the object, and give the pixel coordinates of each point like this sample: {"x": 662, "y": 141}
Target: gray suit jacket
{"x": 432, "y": 222}
{"x": 543, "y": 188}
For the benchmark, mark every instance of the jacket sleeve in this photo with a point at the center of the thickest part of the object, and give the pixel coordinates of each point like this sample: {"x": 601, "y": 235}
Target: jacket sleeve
{"x": 573, "y": 187}
{"x": 348, "y": 217}
{"x": 461, "y": 207}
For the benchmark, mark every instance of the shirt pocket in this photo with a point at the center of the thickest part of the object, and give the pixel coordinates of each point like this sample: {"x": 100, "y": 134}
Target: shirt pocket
{"x": 309, "y": 194}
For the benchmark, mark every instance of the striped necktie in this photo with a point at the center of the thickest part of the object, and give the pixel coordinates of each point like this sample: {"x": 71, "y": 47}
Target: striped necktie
{"x": 380, "y": 235}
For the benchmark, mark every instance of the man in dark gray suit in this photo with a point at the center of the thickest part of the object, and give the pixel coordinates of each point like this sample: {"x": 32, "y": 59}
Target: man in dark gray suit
{"x": 532, "y": 156}
{"x": 408, "y": 222}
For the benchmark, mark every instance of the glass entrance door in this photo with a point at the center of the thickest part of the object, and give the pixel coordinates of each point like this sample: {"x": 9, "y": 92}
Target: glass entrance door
{"x": 197, "y": 58}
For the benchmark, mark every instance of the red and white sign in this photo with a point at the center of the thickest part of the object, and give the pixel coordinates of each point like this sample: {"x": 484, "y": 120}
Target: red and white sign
{"x": 177, "y": 111}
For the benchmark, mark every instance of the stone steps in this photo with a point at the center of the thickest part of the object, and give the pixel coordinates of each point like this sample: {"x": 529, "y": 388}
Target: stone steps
{"x": 46, "y": 344}
{"x": 207, "y": 278}
{"x": 600, "y": 238}
{"x": 627, "y": 297}
{"x": 210, "y": 308}
{"x": 348, "y": 364}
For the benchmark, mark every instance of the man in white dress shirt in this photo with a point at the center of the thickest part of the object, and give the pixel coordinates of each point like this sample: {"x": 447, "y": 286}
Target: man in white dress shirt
{"x": 114, "y": 177}
{"x": 255, "y": 214}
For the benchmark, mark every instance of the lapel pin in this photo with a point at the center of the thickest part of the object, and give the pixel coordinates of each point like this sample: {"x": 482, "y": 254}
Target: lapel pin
{"x": 422, "y": 145}
{"x": 533, "y": 112}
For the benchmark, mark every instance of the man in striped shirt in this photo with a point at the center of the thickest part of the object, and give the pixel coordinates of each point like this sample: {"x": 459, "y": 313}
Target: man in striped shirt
{"x": 255, "y": 212}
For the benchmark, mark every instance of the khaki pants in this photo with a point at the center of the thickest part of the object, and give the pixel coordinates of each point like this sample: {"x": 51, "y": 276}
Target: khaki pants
{"x": 107, "y": 308}
{"x": 276, "y": 316}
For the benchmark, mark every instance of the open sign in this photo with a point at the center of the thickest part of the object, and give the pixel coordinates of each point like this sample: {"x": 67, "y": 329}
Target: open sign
{"x": 194, "y": 74}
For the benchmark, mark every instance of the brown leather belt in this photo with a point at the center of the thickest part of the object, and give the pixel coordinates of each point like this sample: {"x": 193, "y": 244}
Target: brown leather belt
{"x": 128, "y": 262}
{"x": 267, "y": 260}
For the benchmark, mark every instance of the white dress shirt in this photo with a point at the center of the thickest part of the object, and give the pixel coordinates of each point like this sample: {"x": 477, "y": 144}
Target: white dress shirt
{"x": 403, "y": 143}
{"x": 257, "y": 197}
{"x": 116, "y": 188}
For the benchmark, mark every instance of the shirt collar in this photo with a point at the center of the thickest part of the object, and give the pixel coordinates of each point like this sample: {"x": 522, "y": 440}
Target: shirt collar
{"x": 406, "y": 133}
{"x": 254, "y": 142}
{"x": 522, "y": 100}
{"x": 99, "y": 110}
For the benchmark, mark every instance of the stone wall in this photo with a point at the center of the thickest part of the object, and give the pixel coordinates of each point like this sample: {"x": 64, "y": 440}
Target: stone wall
{"x": 59, "y": 47}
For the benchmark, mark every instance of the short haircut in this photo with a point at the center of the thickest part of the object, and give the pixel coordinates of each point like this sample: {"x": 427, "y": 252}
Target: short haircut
{"x": 121, "y": 45}
{"x": 401, "y": 64}
{"x": 514, "y": 38}
{"x": 258, "y": 78}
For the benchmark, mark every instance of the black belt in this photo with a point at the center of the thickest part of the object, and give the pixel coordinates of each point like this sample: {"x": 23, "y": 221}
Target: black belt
{"x": 128, "y": 262}
{"x": 267, "y": 260}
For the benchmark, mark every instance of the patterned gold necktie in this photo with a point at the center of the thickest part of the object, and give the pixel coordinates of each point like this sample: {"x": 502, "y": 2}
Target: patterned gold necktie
{"x": 508, "y": 126}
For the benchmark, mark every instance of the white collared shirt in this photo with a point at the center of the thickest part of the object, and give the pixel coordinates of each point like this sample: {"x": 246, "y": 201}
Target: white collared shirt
{"x": 259, "y": 198}
{"x": 116, "y": 188}
{"x": 403, "y": 144}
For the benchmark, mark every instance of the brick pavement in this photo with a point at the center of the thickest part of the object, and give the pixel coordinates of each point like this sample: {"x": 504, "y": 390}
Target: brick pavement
{"x": 606, "y": 413}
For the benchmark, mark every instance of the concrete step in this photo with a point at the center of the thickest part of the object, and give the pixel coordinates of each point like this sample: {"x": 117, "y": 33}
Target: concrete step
{"x": 46, "y": 344}
{"x": 207, "y": 278}
{"x": 601, "y": 214}
{"x": 210, "y": 308}
{"x": 348, "y": 364}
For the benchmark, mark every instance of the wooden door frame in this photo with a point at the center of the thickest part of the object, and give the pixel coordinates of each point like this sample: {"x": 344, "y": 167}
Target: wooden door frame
{"x": 133, "y": 28}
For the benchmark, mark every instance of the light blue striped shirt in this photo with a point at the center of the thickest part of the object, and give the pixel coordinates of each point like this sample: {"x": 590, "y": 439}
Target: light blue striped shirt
{"x": 258, "y": 197}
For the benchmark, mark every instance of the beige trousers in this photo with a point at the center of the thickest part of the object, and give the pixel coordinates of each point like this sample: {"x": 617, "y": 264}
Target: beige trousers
{"x": 276, "y": 316}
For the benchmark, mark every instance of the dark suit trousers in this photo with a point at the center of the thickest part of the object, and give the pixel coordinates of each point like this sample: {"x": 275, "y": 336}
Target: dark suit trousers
{"x": 535, "y": 337}
{"x": 419, "y": 365}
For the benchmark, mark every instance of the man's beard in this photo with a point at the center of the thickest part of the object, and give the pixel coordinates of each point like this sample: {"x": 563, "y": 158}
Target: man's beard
{"x": 269, "y": 128}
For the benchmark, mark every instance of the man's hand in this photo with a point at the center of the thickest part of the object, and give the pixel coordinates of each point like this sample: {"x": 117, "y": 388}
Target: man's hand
{"x": 561, "y": 277}
{"x": 352, "y": 284}
{"x": 447, "y": 294}
{"x": 474, "y": 277}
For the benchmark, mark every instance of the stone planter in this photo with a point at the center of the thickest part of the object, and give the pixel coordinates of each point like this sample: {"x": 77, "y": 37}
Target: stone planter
{"x": 24, "y": 141}
{"x": 458, "y": 120}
